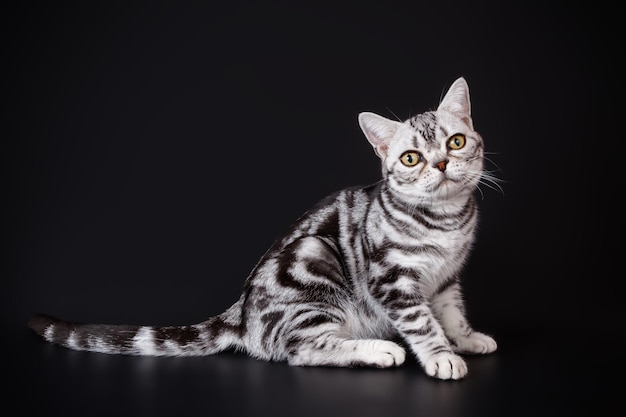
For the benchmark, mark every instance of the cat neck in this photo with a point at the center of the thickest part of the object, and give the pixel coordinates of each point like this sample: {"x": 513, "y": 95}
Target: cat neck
{"x": 444, "y": 205}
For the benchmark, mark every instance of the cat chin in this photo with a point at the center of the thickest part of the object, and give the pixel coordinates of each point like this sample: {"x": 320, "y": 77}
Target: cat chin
{"x": 447, "y": 191}
{"x": 448, "y": 188}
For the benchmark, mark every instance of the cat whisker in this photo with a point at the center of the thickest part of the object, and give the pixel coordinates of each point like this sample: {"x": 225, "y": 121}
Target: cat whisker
{"x": 384, "y": 186}
{"x": 489, "y": 180}
{"x": 394, "y": 115}
{"x": 491, "y": 161}
{"x": 480, "y": 191}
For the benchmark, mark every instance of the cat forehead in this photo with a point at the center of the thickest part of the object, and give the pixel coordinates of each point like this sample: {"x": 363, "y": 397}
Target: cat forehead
{"x": 426, "y": 126}
{"x": 427, "y": 129}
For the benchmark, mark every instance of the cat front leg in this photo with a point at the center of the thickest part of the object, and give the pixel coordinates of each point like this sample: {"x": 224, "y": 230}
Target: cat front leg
{"x": 414, "y": 320}
{"x": 449, "y": 310}
{"x": 427, "y": 340}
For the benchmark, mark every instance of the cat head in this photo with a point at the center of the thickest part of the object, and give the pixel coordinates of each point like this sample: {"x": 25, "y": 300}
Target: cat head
{"x": 433, "y": 156}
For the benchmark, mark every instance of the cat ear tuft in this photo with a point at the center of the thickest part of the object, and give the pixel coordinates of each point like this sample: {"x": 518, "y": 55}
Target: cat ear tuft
{"x": 379, "y": 131}
{"x": 457, "y": 101}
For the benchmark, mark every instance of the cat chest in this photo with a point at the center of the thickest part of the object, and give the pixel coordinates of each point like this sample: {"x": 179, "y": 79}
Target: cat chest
{"x": 432, "y": 254}
{"x": 430, "y": 260}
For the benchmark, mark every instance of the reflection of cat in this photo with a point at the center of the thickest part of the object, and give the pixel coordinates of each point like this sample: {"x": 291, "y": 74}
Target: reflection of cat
{"x": 362, "y": 267}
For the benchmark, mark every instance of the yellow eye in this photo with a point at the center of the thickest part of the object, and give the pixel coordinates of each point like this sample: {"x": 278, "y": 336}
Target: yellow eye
{"x": 456, "y": 141}
{"x": 410, "y": 158}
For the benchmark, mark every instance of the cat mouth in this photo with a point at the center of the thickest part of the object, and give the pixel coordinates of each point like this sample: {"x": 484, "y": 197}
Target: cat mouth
{"x": 445, "y": 184}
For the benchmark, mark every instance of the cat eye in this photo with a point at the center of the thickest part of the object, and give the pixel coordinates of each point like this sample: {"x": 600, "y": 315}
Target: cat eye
{"x": 456, "y": 141}
{"x": 411, "y": 158}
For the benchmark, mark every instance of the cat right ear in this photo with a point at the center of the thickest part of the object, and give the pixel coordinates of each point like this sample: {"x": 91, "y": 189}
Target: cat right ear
{"x": 379, "y": 131}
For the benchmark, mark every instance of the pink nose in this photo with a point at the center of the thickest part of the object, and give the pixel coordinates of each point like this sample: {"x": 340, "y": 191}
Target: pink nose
{"x": 441, "y": 165}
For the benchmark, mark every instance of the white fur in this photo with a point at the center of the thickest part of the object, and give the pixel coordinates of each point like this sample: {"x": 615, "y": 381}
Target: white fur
{"x": 143, "y": 341}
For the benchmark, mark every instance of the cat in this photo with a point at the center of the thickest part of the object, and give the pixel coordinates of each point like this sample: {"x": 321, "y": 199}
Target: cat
{"x": 360, "y": 276}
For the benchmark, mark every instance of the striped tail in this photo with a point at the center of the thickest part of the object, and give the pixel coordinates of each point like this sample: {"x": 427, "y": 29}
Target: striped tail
{"x": 211, "y": 336}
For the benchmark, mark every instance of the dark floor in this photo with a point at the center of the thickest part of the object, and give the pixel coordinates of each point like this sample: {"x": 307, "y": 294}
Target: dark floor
{"x": 531, "y": 374}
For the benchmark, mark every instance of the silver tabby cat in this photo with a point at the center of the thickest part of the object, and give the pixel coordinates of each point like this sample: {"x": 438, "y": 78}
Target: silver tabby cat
{"x": 365, "y": 272}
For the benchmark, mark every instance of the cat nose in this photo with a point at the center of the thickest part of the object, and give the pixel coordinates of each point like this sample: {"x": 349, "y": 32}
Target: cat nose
{"x": 441, "y": 165}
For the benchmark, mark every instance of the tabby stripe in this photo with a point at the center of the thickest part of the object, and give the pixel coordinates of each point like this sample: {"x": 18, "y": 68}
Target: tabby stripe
{"x": 392, "y": 206}
{"x": 323, "y": 309}
{"x": 426, "y": 217}
{"x": 425, "y": 124}
{"x": 270, "y": 320}
{"x": 325, "y": 222}
{"x": 413, "y": 316}
{"x": 184, "y": 335}
{"x": 391, "y": 212}
{"x": 447, "y": 284}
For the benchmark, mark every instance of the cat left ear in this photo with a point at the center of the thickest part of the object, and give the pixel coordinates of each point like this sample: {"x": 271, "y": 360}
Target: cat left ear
{"x": 379, "y": 131}
{"x": 457, "y": 101}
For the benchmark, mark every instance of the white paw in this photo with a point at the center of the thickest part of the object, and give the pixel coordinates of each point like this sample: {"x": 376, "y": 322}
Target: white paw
{"x": 446, "y": 366}
{"x": 475, "y": 343}
{"x": 383, "y": 353}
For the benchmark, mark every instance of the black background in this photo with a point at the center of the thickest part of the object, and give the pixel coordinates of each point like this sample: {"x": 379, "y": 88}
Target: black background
{"x": 151, "y": 154}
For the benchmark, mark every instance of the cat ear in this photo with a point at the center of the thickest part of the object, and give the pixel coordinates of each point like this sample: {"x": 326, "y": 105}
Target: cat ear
{"x": 457, "y": 101}
{"x": 379, "y": 131}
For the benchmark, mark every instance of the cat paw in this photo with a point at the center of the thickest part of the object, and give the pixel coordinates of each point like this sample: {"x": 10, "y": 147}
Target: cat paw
{"x": 383, "y": 353}
{"x": 476, "y": 342}
{"x": 446, "y": 365}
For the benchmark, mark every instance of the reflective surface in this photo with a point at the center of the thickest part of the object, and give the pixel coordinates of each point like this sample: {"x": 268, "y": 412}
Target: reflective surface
{"x": 526, "y": 376}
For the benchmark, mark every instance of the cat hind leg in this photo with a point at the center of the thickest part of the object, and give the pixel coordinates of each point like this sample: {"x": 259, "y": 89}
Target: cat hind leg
{"x": 340, "y": 352}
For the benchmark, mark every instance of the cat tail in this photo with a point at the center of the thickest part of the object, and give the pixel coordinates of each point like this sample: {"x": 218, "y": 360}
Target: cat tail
{"x": 211, "y": 336}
